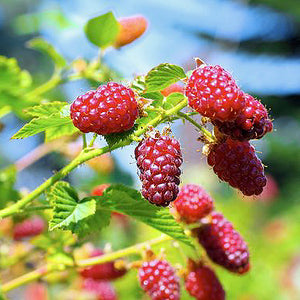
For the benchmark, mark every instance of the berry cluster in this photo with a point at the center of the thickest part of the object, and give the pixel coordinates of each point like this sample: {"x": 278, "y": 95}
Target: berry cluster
{"x": 158, "y": 159}
{"x": 109, "y": 109}
{"x": 238, "y": 117}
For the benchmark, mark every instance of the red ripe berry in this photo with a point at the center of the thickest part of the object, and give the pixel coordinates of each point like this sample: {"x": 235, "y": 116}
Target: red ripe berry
{"x": 158, "y": 159}
{"x": 105, "y": 271}
{"x": 223, "y": 244}
{"x": 252, "y": 122}
{"x": 236, "y": 163}
{"x": 203, "y": 284}
{"x": 109, "y": 109}
{"x": 159, "y": 281}
{"x": 173, "y": 88}
{"x": 29, "y": 228}
{"x": 193, "y": 203}
{"x": 101, "y": 290}
{"x": 213, "y": 93}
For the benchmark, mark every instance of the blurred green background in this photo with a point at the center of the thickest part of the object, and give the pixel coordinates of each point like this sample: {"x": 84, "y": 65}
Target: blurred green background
{"x": 258, "y": 41}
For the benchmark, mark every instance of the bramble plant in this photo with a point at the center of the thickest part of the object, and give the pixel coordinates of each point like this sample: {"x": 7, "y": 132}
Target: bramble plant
{"x": 123, "y": 114}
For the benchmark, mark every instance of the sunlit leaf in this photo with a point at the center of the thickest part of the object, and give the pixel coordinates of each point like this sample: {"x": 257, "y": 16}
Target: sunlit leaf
{"x": 102, "y": 31}
{"x": 162, "y": 76}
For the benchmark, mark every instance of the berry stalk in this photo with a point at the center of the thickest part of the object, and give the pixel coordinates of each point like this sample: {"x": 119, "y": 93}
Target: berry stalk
{"x": 86, "y": 155}
{"x": 205, "y": 132}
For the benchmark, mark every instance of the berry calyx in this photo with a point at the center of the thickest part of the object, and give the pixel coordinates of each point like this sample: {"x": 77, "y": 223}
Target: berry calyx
{"x": 131, "y": 28}
{"x": 173, "y": 88}
{"x": 213, "y": 93}
{"x": 252, "y": 122}
{"x": 223, "y": 244}
{"x": 193, "y": 203}
{"x": 158, "y": 159}
{"x": 203, "y": 284}
{"x": 159, "y": 281}
{"x": 105, "y": 271}
{"x": 101, "y": 290}
{"x": 236, "y": 163}
{"x": 29, "y": 228}
{"x": 111, "y": 108}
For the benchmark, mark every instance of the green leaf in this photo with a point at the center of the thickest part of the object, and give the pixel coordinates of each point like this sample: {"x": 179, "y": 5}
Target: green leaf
{"x": 168, "y": 102}
{"x": 153, "y": 96}
{"x": 102, "y": 31}
{"x": 114, "y": 138}
{"x": 14, "y": 84}
{"x": 42, "y": 45}
{"x": 68, "y": 210}
{"x": 55, "y": 125}
{"x": 93, "y": 223}
{"x": 130, "y": 202}
{"x": 7, "y": 181}
{"x": 45, "y": 109}
{"x": 162, "y": 76}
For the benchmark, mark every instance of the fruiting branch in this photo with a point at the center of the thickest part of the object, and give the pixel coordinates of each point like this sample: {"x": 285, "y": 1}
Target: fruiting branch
{"x": 85, "y": 155}
{"x": 49, "y": 268}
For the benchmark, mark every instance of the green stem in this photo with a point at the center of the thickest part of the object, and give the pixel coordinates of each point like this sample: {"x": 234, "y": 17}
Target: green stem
{"x": 54, "y": 81}
{"x": 84, "y": 141}
{"x": 91, "y": 144}
{"x": 84, "y": 156}
{"x": 205, "y": 132}
{"x": 39, "y": 273}
{"x": 135, "y": 249}
{"x": 26, "y": 278}
{"x": 36, "y": 208}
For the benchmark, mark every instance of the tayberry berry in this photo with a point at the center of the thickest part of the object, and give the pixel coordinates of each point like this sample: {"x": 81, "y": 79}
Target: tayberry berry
{"x": 223, "y": 244}
{"x": 203, "y": 284}
{"x": 236, "y": 163}
{"x": 252, "y": 122}
{"x": 109, "y": 109}
{"x": 213, "y": 93}
{"x": 101, "y": 290}
{"x": 193, "y": 203}
{"x": 131, "y": 28}
{"x": 158, "y": 159}
{"x": 159, "y": 281}
{"x": 105, "y": 271}
{"x": 29, "y": 228}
